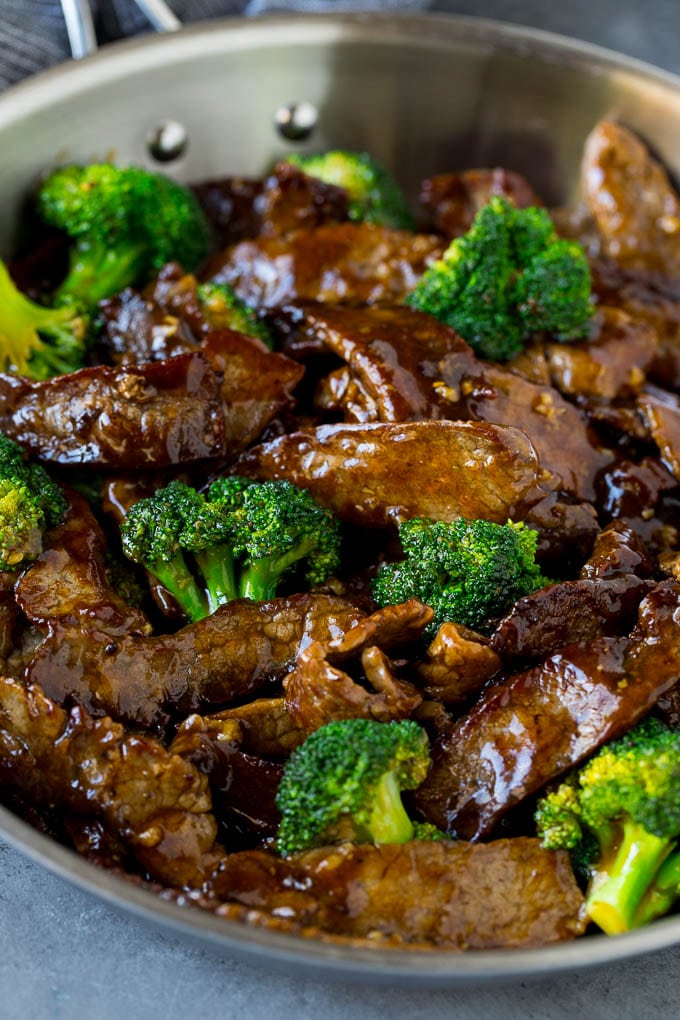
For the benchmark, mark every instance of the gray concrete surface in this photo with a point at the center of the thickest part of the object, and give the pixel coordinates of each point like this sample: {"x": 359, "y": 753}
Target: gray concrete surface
{"x": 65, "y": 956}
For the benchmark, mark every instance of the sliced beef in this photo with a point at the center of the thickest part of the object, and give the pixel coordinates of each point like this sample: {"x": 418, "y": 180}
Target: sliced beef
{"x": 562, "y": 614}
{"x": 68, "y": 582}
{"x": 406, "y": 366}
{"x": 264, "y": 727}
{"x": 319, "y": 691}
{"x": 240, "y": 207}
{"x": 156, "y": 803}
{"x": 148, "y": 680}
{"x": 243, "y": 785}
{"x": 649, "y": 297}
{"x": 347, "y": 263}
{"x": 530, "y": 728}
{"x": 453, "y": 200}
{"x": 661, "y": 412}
{"x": 256, "y": 385}
{"x": 566, "y": 533}
{"x": 376, "y": 474}
{"x": 459, "y": 663}
{"x": 612, "y": 364}
{"x": 631, "y": 199}
{"x": 148, "y": 416}
{"x": 135, "y": 329}
{"x": 392, "y": 354}
{"x": 618, "y": 552}
{"x": 510, "y": 893}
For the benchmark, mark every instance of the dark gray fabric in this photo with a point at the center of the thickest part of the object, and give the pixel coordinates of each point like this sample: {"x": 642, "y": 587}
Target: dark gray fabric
{"x": 33, "y": 35}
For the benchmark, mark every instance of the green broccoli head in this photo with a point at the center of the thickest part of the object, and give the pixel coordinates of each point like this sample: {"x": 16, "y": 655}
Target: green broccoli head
{"x": 155, "y": 534}
{"x": 345, "y": 782}
{"x": 35, "y": 341}
{"x": 468, "y": 571}
{"x": 374, "y": 195}
{"x": 30, "y": 503}
{"x": 620, "y": 813}
{"x": 223, "y": 309}
{"x": 236, "y": 541}
{"x": 124, "y": 223}
{"x": 510, "y": 276}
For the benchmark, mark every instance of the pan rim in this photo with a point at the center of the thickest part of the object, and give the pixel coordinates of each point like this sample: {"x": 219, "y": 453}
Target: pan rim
{"x": 434, "y": 968}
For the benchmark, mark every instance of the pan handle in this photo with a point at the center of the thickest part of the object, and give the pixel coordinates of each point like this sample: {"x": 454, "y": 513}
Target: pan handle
{"x": 159, "y": 15}
{"x": 80, "y": 27}
{"x": 80, "y": 24}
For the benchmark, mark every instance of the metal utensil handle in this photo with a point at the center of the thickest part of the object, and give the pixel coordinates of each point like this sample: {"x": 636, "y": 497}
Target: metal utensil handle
{"x": 159, "y": 15}
{"x": 80, "y": 24}
{"x": 80, "y": 27}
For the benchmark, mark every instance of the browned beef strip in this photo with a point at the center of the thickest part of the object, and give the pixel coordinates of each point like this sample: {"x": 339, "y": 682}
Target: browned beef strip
{"x": 557, "y": 429}
{"x": 668, "y": 707}
{"x": 263, "y": 728}
{"x": 566, "y": 532}
{"x": 631, "y": 199}
{"x": 256, "y": 384}
{"x": 243, "y": 785}
{"x": 146, "y": 680}
{"x": 562, "y": 614}
{"x": 368, "y": 686}
{"x": 319, "y": 692}
{"x": 407, "y": 366}
{"x": 451, "y": 895}
{"x": 661, "y": 411}
{"x": 611, "y": 364}
{"x": 375, "y": 474}
{"x": 618, "y": 551}
{"x": 151, "y": 416}
{"x": 459, "y": 663}
{"x": 136, "y": 330}
{"x": 230, "y": 205}
{"x": 287, "y": 200}
{"x": 348, "y": 263}
{"x": 68, "y": 582}
{"x": 455, "y": 199}
{"x": 156, "y": 803}
{"x": 535, "y": 725}
{"x": 651, "y": 298}
{"x": 630, "y": 489}
{"x": 392, "y": 353}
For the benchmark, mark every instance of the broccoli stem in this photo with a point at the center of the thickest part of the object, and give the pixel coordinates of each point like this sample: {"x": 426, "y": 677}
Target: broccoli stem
{"x": 389, "y": 822}
{"x": 261, "y": 576}
{"x": 98, "y": 270}
{"x": 663, "y": 893}
{"x": 620, "y": 884}
{"x": 217, "y": 567}
{"x": 174, "y": 575}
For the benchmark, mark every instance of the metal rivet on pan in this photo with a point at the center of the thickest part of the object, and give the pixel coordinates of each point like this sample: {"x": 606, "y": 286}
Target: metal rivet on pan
{"x": 169, "y": 141}
{"x": 296, "y": 121}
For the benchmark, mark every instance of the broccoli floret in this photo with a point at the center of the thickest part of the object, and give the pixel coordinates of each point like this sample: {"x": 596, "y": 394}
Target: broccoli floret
{"x": 153, "y": 534}
{"x": 510, "y": 276}
{"x": 345, "y": 782}
{"x": 281, "y": 526}
{"x": 240, "y": 539}
{"x": 224, "y": 309}
{"x": 619, "y": 816}
{"x": 374, "y": 195}
{"x": 30, "y": 503}
{"x": 468, "y": 571}
{"x": 35, "y": 341}
{"x": 124, "y": 223}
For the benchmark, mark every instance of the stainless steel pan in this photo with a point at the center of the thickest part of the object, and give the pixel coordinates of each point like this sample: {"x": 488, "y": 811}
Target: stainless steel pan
{"x": 424, "y": 93}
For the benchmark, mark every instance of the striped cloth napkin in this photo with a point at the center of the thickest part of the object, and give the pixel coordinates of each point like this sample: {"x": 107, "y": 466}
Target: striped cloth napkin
{"x": 33, "y": 34}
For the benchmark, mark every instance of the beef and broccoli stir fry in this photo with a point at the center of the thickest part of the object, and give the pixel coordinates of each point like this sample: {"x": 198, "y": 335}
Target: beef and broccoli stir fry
{"x": 340, "y": 544}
